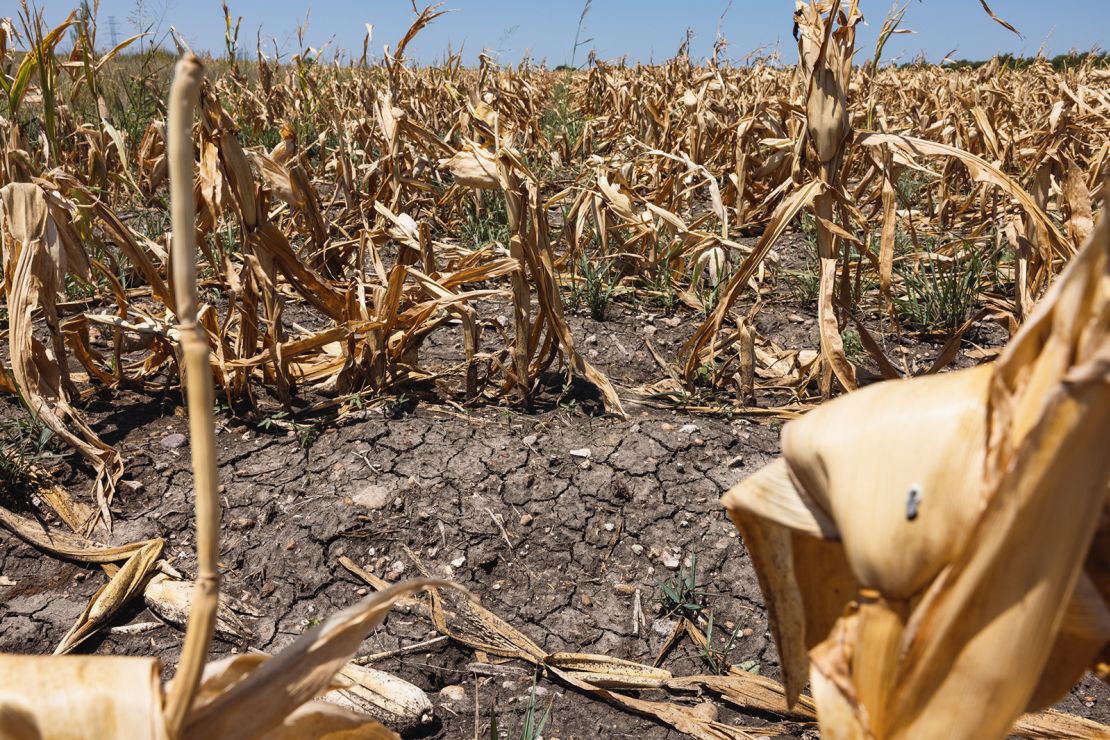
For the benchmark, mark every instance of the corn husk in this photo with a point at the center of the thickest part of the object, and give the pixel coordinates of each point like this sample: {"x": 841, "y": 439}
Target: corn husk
{"x": 393, "y": 701}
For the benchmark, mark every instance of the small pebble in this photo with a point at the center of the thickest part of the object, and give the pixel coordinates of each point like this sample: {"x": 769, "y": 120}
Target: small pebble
{"x": 526, "y": 520}
{"x": 581, "y": 452}
{"x": 453, "y": 693}
{"x": 637, "y": 549}
{"x": 131, "y": 486}
{"x": 529, "y": 440}
{"x": 662, "y": 627}
{"x": 175, "y": 440}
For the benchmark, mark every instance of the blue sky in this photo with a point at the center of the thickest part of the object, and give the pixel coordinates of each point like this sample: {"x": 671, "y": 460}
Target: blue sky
{"x": 642, "y": 29}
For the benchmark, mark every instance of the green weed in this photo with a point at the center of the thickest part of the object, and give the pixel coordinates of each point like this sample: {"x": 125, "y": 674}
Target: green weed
{"x": 24, "y": 447}
{"x": 531, "y": 726}
{"x": 486, "y": 225}
{"x": 939, "y": 293}
{"x": 595, "y": 286}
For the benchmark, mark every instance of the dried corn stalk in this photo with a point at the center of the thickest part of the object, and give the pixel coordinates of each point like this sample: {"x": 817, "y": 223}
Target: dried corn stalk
{"x": 242, "y": 697}
{"x": 35, "y": 265}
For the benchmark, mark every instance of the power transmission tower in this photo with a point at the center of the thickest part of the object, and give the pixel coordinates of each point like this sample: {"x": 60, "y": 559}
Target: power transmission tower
{"x": 112, "y": 31}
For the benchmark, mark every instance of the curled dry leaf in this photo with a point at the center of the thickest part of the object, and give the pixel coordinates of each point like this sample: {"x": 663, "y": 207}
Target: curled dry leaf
{"x": 953, "y": 574}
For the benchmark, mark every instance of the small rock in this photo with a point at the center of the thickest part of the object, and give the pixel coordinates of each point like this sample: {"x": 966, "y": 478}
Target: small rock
{"x": 688, "y": 429}
{"x": 666, "y": 426}
{"x": 175, "y": 440}
{"x": 592, "y": 339}
{"x": 372, "y": 496}
{"x": 609, "y": 526}
{"x": 583, "y": 452}
{"x": 736, "y": 461}
{"x": 161, "y": 467}
{"x": 529, "y": 440}
{"x": 637, "y": 549}
{"x": 671, "y": 561}
{"x": 526, "y": 520}
{"x": 680, "y": 466}
{"x": 453, "y": 693}
{"x": 796, "y": 318}
{"x": 458, "y": 562}
{"x": 707, "y": 710}
{"x": 586, "y": 600}
{"x": 131, "y": 486}
{"x": 663, "y": 626}
{"x": 624, "y": 588}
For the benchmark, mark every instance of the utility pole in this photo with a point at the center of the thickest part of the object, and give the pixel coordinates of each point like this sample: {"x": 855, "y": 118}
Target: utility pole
{"x": 112, "y": 31}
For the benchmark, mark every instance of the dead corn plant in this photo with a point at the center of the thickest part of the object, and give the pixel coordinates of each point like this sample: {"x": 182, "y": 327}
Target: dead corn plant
{"x": 955, "y": 580}
{"x": 245, "y": 696}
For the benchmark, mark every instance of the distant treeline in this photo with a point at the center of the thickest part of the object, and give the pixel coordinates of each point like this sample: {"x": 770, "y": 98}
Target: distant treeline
{"x": 1060, "y": 62}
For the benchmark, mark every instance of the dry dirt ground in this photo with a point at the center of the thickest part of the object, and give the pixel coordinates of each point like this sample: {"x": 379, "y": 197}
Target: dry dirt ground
{"x": 556, "y": 544}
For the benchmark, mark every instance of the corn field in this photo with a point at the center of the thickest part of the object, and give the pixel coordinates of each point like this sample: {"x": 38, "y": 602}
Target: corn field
{"x": 509, "y": 329}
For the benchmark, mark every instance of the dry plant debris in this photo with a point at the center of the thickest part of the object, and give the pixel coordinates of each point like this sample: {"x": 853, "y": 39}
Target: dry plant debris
{"x": 293, "y": 241}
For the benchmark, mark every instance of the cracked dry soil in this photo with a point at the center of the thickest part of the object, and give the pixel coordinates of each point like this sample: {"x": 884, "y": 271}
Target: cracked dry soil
{"x": 558, "y": 545}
